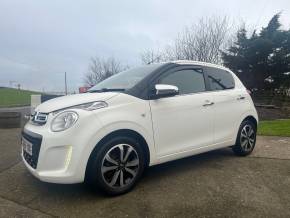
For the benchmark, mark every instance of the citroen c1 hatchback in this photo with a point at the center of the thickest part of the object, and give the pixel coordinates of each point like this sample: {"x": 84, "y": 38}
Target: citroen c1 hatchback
{"x": 138, "y": 118}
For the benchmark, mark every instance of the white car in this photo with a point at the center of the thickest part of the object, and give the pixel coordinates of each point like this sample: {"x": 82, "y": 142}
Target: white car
{"x": 139, "y": 118}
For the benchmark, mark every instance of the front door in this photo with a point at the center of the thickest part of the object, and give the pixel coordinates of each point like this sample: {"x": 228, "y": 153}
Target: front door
{"x": 185, "y": 121}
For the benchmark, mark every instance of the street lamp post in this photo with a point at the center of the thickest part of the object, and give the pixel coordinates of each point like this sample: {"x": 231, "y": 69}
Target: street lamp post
{"x": 65, "y": 83}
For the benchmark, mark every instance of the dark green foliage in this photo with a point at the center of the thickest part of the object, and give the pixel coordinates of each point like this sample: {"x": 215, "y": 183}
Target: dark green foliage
{"x": 262, "y": 59}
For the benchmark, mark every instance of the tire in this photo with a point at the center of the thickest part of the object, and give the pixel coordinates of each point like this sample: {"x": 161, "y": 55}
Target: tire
{"x": 246, "y": 138}
{"x": 108, "y": 173}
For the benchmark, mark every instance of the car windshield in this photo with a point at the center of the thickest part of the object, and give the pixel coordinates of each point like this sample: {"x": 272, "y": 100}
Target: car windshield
{"x": 124, "y": 80}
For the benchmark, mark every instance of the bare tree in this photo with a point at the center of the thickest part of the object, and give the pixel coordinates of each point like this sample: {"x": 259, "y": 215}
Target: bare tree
{"x": 100, "y": 69}
{"x": 202, "y": 41}
{"x": 151, "y": 56}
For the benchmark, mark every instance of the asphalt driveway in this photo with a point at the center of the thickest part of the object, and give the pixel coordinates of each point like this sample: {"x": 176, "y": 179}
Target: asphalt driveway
{"x": 215, "y": 184}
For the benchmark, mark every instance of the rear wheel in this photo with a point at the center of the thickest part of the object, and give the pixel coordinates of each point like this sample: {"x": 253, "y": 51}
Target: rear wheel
{"x": 246, "y": 138}
{"x": 117, "y": 165}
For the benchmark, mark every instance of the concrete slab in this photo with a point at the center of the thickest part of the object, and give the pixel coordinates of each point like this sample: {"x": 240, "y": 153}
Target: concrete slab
{"x": 12, "y": 209}
{"x": 202, "y": 186}
{"x": 272, "y": 147}
{"x": 9, "y": 148}
{"x": 208, "y": 185}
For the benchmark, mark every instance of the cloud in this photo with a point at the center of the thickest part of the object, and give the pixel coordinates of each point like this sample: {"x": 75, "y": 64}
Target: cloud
{"x": 40, "y": 40}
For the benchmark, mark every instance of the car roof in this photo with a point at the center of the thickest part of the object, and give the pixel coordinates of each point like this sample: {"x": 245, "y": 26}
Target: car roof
{"x": 200, "y": 63}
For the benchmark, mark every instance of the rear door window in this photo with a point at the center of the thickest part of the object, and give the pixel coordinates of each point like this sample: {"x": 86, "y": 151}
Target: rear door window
{"x": 220, "y": 79}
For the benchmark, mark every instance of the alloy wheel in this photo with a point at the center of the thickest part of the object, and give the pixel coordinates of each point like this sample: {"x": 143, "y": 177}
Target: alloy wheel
{"x": 247, "y": 138}
{"x": 120, "y": 166}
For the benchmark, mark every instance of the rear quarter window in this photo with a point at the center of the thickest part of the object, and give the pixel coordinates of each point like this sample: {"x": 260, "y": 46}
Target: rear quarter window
{"x": 220, "y": 79}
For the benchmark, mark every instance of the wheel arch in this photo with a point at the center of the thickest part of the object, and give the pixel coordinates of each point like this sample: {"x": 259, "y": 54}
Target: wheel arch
{"x": 247, "y": 117}
{"x": 121, "y": 132}
{"x": 252, "y": 119}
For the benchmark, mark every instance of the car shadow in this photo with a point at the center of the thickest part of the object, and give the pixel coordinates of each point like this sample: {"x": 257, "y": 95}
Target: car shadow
{"x": 151, "y": 175}
{"x": 173, "y": 168}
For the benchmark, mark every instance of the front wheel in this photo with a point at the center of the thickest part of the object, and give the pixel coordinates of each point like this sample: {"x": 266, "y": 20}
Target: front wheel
{"x": 117, "y": 165}
{"x": 246, "y": 138}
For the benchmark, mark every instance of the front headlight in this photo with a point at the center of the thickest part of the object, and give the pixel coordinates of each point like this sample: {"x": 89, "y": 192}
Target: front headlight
{"x": 91, "y": 105}
{"x": 64, "y": 121}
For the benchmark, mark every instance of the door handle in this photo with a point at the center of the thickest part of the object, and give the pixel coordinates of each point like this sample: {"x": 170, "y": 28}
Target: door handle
{"x": 241, "y": 97}
{"x": 208, "y": 103}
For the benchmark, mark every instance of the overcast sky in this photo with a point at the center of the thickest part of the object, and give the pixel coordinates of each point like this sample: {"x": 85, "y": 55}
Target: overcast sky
{"x": 41, "y": 39}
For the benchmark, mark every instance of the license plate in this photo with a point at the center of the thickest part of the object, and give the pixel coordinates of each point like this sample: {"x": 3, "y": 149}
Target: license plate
{"x": 27, "y": 146}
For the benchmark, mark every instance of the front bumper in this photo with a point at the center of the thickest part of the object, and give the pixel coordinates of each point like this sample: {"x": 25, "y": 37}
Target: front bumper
{"x": 62, "y": 156}
{"x": 35, "y": 141}
{"x": 51, "y": 162}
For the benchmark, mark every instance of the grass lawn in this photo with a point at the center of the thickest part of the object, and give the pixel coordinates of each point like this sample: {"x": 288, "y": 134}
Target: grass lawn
{"x": 274, "y": 128}
{"x": 14, "y": 97}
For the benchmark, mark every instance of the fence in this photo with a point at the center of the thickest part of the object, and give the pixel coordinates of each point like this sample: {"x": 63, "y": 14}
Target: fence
{"x": 275, "y": 98}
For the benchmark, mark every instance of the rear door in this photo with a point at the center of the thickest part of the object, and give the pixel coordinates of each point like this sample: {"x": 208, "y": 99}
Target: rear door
{"x": 185, "y": 121}
{"x": 228, "y": 106}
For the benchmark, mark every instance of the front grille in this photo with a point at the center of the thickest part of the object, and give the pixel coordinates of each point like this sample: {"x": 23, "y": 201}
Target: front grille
{"x": 39, "y": 118}
{"x": 35, "y": 140}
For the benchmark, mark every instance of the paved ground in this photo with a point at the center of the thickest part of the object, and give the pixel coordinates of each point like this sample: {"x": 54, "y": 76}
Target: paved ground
{"x": 215, "y": 184}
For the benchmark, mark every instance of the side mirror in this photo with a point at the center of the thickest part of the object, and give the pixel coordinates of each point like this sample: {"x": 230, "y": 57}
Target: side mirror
{"x": 163, "y": 90}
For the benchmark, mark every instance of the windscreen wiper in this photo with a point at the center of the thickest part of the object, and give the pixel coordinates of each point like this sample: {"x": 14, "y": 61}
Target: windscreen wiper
{"x": 107, "y": 90}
